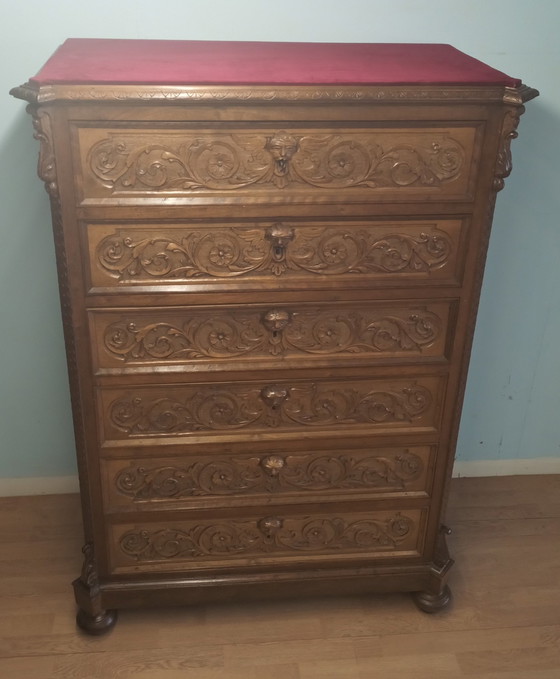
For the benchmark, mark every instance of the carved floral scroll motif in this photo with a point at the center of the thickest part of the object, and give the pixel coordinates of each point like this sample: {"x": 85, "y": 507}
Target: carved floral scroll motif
{"x": 218, "y": 161}
{"x": 269, "y": 474}
{"x": 269, "y": 535}
{"x": 271, "y": 251}
{"x": 220, "y": 335}
{"x": 230, "y": 407}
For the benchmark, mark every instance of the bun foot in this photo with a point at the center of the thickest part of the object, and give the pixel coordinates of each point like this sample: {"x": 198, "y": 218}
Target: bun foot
{"x": 96, "y": 624}
{"x": 432, "y": 603}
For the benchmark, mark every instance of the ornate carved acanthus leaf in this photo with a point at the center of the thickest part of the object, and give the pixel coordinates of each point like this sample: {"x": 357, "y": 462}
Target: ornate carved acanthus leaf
{"x": 269, "y": 535}
{"x": 46, "y": 168}
{"x": 311, "y": 472}
{"x": 272, "y": 251}
{"x": 238, "y": 406}
{"x": 509, "y": 133}
{"x": 220, "y": 162}
{"x": 279, "y": 332}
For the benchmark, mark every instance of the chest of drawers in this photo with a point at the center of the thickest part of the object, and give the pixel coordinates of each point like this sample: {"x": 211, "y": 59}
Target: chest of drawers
{"x": 270, "y": 258}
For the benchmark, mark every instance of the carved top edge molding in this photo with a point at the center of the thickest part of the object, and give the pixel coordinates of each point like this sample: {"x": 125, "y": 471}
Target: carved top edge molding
{"x": 306, "y": 93}
{"x": 520, "y": 95}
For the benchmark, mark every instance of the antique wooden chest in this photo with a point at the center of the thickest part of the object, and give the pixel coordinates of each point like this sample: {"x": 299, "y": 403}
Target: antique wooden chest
{"x": 270, "y": 258}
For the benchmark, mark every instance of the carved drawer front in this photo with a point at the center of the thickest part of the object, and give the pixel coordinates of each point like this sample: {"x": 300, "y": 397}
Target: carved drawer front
{"x": 273, "y": 164}
{"x": 198, "y": 480}
{"x": 273, "y": 538}
{"x": 271, "y": 254}
{"x": 215, "y": 338}
{"x": 239, "y": 410}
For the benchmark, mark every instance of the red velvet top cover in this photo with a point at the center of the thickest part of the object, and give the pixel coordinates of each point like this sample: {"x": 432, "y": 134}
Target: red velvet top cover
{"x": 178, "y": 62}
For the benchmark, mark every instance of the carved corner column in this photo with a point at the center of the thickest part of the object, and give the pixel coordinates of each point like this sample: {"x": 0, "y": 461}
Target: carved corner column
{"x": 438, "y": 596}
{"x": 91, "y": 617}
{"x": 513, "y": 100}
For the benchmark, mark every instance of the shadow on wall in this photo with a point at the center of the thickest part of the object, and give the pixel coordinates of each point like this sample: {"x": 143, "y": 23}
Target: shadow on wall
{"x": 512, "y": 392}
{"x": 35, "y": 419}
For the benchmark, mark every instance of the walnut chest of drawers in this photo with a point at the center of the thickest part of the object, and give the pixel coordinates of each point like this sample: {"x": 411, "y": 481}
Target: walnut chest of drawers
{"x": 270, "y": 258}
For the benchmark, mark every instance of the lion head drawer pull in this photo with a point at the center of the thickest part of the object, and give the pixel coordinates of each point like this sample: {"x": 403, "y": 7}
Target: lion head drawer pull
{"x": 273, "y": 464}
{"x": 279, "y": 237}
{"x": 274, "y": 395}
{"x": 282, "y": 147}
{"x": 276, "y": 320}
{"x": 270, "y": 525}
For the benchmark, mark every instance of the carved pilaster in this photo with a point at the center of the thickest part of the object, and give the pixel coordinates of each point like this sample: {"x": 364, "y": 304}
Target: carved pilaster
{"x": 514, "y": 98}
{"x": 47, "y": 171}
{"x": 509, "y": 133}
{"x": 89, "y": 575}
{"x": 46, "y": 167}
{"x": 91, "y": 617}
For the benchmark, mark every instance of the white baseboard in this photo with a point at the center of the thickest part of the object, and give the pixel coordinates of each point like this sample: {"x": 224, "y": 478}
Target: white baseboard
{"x": 57, "y": 485}
{"x": 526, "y": 466}
{"x": 41, "y": 485}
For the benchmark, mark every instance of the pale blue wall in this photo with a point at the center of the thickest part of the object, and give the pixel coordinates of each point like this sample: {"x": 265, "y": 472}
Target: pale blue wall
{"x": 512, "y": 398}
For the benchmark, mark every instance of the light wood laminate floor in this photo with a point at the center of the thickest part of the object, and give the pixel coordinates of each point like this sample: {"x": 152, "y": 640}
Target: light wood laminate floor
{"x": 504, "y": 622}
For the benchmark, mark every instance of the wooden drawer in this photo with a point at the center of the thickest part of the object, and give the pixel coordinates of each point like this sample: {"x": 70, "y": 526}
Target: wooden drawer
{"x": 274, "y": 539}
{"x": 261, "y": 337}
{"x": 208, "y": 411}
{"x": 116, "y": 165}
{"x": 267, "y": 255}
{"x": 197, "y": 480}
